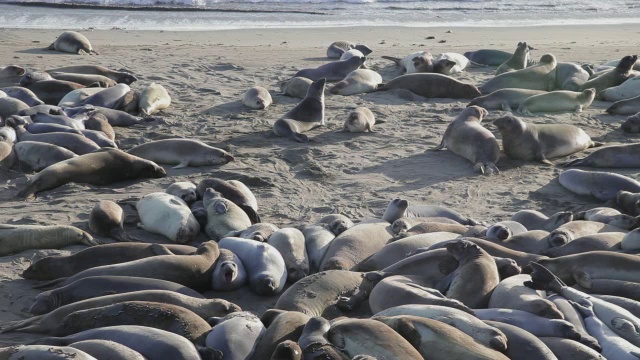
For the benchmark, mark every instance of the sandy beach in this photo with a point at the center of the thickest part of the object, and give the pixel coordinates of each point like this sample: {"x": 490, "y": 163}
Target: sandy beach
{"x": 206, "y": 74}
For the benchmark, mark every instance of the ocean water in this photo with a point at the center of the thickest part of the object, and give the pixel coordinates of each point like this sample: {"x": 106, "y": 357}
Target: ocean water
{"x": 227, "y": 14}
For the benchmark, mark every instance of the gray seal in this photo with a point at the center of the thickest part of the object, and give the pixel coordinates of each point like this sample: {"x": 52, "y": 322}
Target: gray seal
{"x": 540, "y": 142}
{"x": 101, "y": 167}
{"x": 601, "y": 185}
{"x": 432, "y": 86}
{"x": 307, "y": 115}
{"x": 504, "y": 99}
{"x": 181, "y": 153}
{"x": 72, "y": 42}
{"x": 333, "y": 71}
{"x": 465, "y": 137}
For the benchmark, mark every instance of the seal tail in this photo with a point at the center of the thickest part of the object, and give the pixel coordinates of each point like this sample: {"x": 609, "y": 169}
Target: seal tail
{"x": 50, "y": 284}
{"x": 543, "y": 279}
{"x": 394, "y": 59}
{"x": 28, "y": 325}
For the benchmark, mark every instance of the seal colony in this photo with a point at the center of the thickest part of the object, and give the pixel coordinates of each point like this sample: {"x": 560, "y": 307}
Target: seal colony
{"x": 452, "y": 287}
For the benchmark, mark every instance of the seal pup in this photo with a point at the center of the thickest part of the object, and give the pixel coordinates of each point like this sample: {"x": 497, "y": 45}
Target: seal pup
{"x": 16, "y": 238}
{"x": 540, "y": 142}
{"x": 450, "y": 63}
{"x": 264, "y": 264}
{"x": 257, "y": 97}
{"x": 185, "y": 190}
{"x": 505, "y": 99}
{"x": 239, "y": 194}
{"x": 43, "y": 352}
{"x": 432, "y": 86}
{"x": 360, "y": 120}
{"x": 601, "y": 185}
{"x": 351, "y": 53}
{"x": 465, "y": 137}
{"x": 153, "y": 98}
{"x": 8, "y": 135}
{"x": 538, "y": 77}
{"x": 72, "y": 42}
{"x": 101, "y": 167}
{"x": 616, "y": 156}
{"x": 333, "y": 71}
{"x": 35, "y": 156}
{"x": 612, "y": 77}
{"x": 229, "y": 272}
{"x": 517, "y": 61}
{"x": 118, "y": 76}
{"x": 106, "y": 219}
{"x": 503, "y": 230}
{"x": 338, "y": 48}
{"x": 337, "y": 223}
{"x": 76, "y": 97}
{"x": 535, "y": 220}
{"x": 625, "y": 107}
{"x": 595, "y": 242}
{"x": 305, "y": 116}
{"x": 223, "y": 215}
{"x": 558, "y": 101}
{"x": 181, "y": 153}
{"x": 295, "y": 87}
{"x": 357, "y": 82}
{"x": 417, "y": 62}
{"x": 627, "y": 90}
{"x": 236, "y": 334}
{"x": 316, "y": 241}
{"x": 167, "y": 215}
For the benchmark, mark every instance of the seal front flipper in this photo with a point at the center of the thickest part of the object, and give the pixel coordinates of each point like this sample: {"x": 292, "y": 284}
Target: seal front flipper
{"x": 184, "y": 163}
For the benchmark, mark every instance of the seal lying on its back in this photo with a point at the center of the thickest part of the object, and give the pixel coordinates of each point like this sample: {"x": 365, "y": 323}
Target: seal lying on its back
{"x": 358, "y": 82}
{"x": 432, "y": 86}
{"x": 72, "y": 42}
{"x": 101, "y": 167}
{"x": 305, "y": 116}
{"x": 465, "y": 137}
{"x": 417, "y": 62}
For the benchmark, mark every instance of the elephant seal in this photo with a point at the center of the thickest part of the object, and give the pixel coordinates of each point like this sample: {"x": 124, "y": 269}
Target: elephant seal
{"x": 577, "y": 228}
{"x": 295, "y": 87}
{"x": 570, "y": 76}
{"x": 405, "y": 223}
{"x": 305, "y": 116}
{"x": 192, "y": 270}
{"x": 601, "y": 185}
{"x": 467, "y": 323}
{"x": 632, "y": 124}
{"x": 573, "y": 316}
{"x": 185, "y": 190}
{"x": 43, "y": 352}
{"x": 172, "y": 318}
{"x": 181, "y": 153}
{"x": 100, "y": 122}
{"x": 106, "y": 219}
{"x": 258, "y": 232}
{"x": 370, "y": 337}
{"x": 23, "y": 94}
{"x": 167, "y": 215}
{"x": 337, "y": 48}
{"x": 118, "y": 76}
{"x": 84, "y": 79}
{"x": 538, "y": 77}
{"x": 511, "y": 293}
{"x": 540, "y": 142}
{"x": 432, "y": 86}
{"x": 205, "y": 308}
{"x": 97, "y": 286}
{"x": 10, "y": 106}
{"x": 569, "y": 349}
{"x": 337, "y": 223}
{"x": 628, "y": 202}
{"x": 77, "y": 97}
{"x": 631, "y": 241}
{"x": 609, "y": 216}
{"x": 54, "y": 267}
{"x": 229, "y": 272}
{"x": 439, "y": 341}
{"x": 488, "y": 57}
{"x": 624, "y": 289}
{"x": 7, "y": 155}
{"x": 558, "y": 101}
{"x": 333, "y": 71}
{"x": 533, "y": 242}
{"x": 53, "y": 91}
{"x": 72, "y": 42}
{"x": 281, "y": 326}
{"x": 55, "y": 119}
{"x": 290, "y": 243}
{"x": 627, "y": 90}
{"x": 36, "y": 156}
{"x": 534, "y": 324}
{"x": 360, "y": 120}
{"x": 110, "y": 98}
{"x": 438, "y": 211}
{"x": 522, "y": 344}
{"x": 149, "y": 342}
{"x": 351, "y": 53}
{"x": 11, "y": 74}
{"x": 153, "y": 98}
{"x": 625, "y": 107}
{"x": 316, "y": 241}
{"x": 476, "y": 276}
{"x": 503, "y": 230}
{"x": 16, "y": 238}
{"x": 235, "y": 191}
{"x": 257, "y": 98}
{"x": 353, "y": 246}
{"x": 417, "y": 62}
{"x": 517, "y": 61}
{"x": 504, "y": 99}
{"x": 535, "y": 220}
{"x": 450, "y": 63}
{"x": 465, "y": 137}
{"x": 236, "y": 335}
{"x": 359, "y": 81}
{"x": 105, "y": 349}
{"x": 612, "y": 77}
{"x": 594, "y": 242}
{"x": 264, "y": 265}
{"x": 616, "y": 156}
{"x": 114, "y": 117}
{"x": 314, "y": 343}
{"x": 223, "y": 216}
{"x": 8, "y": 134}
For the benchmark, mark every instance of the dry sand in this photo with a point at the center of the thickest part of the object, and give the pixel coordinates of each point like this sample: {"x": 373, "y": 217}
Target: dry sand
{"x": 206, "y": 74}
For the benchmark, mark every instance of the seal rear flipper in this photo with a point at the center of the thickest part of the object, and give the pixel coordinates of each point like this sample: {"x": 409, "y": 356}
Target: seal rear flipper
{"x": 183, "y": 164}
{"x": 160, "y": 249}
{"x": 50, "y": 284}
{"x": 253, "y": 215}
{"x": 23, "y": 325}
